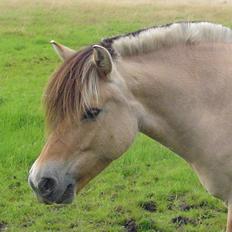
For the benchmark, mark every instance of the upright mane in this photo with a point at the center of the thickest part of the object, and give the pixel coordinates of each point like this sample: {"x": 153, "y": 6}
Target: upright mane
{"x": 151, "y": 39}
{"x": 71, "y": 88}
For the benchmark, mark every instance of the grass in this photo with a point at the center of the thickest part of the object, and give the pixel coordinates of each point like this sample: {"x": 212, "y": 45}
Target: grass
{"x": 149, "y": 188}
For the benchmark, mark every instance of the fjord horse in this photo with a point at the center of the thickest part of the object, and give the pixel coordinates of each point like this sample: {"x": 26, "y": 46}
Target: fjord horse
{"x": 172, "y": 83}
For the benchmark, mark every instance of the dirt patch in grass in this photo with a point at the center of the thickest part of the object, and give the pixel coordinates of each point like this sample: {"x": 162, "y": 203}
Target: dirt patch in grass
{"x": 180, "y": 221}
{"x": 149, "y": 206}
{"x": 130, "y": 225}
{"x": 3, "y": 226}
{"x": 186, "y": 207}
{"x": 180, "y": 202}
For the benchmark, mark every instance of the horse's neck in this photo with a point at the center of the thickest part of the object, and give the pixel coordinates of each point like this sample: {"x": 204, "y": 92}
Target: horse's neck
{"x": 170, "y": 87}
{"x": 150, "y": 81}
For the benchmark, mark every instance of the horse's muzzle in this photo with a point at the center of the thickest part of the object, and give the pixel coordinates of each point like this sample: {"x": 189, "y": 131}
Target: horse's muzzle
{"x": 49, "y": 190}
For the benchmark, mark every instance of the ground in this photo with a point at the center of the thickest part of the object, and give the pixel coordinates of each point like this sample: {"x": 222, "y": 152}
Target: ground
{"x": 149, "y": 188}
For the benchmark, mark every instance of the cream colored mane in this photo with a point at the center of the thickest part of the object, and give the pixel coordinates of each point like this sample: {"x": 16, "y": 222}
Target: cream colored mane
{"x": 166, "y": 36}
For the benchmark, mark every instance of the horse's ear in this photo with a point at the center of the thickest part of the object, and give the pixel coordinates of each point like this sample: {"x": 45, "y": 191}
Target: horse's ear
{"x": 63, "y": 52}
{"x": 102, "y": 59}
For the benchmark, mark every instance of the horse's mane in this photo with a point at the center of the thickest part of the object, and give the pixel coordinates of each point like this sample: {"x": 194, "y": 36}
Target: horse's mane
{"x": 76, "y": 82}
{"x": 169, "y": 35}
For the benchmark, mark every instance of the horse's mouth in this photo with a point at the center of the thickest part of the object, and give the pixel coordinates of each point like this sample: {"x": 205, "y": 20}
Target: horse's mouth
{"x": 68, "y": 195}
{"x": 66, "y": 198}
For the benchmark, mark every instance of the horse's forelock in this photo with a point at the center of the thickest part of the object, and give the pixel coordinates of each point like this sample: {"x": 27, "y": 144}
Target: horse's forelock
{"x": 71, "y": 88}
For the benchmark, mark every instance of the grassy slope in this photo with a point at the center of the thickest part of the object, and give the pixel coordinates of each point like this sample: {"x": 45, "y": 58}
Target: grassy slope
{"x": 147, "y": 173}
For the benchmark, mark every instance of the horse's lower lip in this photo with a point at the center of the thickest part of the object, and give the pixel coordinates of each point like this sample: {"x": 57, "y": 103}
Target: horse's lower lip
{"x": 66, "y": 198}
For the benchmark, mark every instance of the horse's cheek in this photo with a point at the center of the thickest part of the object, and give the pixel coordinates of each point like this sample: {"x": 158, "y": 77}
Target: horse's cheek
{"x": 119, "y": 140}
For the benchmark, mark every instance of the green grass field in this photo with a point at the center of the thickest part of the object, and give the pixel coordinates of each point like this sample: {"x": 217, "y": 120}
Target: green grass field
{"x": 149, "y": 188}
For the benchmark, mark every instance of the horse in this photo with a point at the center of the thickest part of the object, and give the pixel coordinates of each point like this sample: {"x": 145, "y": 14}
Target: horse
{"x": 172, "y": 82}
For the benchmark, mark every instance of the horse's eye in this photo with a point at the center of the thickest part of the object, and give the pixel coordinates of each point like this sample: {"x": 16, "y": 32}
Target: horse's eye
{"x": 91, "y": 113}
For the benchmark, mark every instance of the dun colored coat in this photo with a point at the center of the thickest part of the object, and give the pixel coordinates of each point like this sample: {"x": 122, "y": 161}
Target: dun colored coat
{"x": 172, "y": 83}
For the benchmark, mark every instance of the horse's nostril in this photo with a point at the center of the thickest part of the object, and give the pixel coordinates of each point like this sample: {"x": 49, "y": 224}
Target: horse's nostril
{"x": 46, "y": 186}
